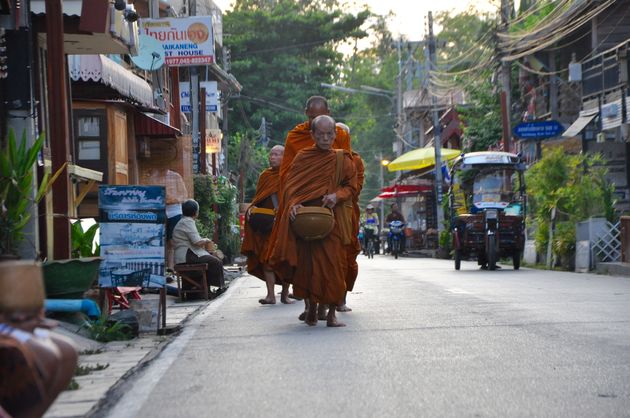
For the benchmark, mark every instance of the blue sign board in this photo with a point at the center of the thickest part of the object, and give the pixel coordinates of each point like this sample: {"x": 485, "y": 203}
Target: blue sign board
{"x": 538, "y": 130}
{"x": 132, "y": 235}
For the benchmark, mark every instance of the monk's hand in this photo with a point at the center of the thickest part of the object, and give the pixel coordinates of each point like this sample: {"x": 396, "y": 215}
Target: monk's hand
{"x": 249, "y": 212}
{"x": 293, "y": 211}
{"x": 329, "y": 200}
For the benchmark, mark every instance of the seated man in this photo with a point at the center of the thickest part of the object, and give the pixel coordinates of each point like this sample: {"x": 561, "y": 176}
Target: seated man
{"x": 191, "y": 248}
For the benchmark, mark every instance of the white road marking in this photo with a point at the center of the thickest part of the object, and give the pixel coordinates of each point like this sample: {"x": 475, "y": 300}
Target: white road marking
{"x": 130, "y": 404}
{"x": 458, "y": 291}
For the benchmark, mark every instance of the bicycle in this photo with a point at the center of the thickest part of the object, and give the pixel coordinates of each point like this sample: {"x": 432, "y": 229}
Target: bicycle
{"x": 369, "y": 246}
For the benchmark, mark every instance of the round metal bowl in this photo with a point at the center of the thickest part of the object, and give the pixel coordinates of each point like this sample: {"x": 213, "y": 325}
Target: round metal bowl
{"x": 313, "y": 223}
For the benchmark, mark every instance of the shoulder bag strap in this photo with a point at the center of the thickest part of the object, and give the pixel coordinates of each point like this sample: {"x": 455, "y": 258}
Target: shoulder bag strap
{"x": 339, "y": 167}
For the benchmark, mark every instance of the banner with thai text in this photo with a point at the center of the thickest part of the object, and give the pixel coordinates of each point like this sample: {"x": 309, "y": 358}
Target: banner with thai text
{"x": 187, "y": 41}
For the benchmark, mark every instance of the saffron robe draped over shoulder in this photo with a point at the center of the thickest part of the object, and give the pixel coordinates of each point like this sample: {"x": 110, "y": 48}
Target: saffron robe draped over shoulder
{"x": 317, "y": 269}
{"x": 354, "y": 248}
{"x": 255, "y": 244}
{"x": 300, "y": 137}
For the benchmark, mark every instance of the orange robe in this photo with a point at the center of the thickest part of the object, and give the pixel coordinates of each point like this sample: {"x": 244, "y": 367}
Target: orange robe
{"x": 297, "y": 139}
{"x": 300, "y": 137}
{"x": 354, "y": 249}
{"x": 317, "y": 269}
{"x": 255, "y": 244}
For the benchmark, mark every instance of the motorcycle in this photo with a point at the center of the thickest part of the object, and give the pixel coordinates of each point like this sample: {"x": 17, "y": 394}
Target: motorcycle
{"x": 395, "y": 237}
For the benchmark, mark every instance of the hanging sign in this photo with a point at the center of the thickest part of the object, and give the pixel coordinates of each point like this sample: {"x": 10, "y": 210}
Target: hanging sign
{"x": 187, "y": 41}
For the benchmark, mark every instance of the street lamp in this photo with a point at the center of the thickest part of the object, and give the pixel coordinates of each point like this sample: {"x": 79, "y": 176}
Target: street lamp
{"x": 384, "y": 163}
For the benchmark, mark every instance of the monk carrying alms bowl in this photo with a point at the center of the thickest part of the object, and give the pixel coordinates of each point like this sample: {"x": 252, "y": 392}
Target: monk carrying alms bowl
{"x": 313, "y": 223}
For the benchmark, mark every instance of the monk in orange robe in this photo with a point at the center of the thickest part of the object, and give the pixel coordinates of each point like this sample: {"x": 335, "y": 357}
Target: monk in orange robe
{"x": 354, "y": 248}
{"x": 299, "y": 138}
{"x": 255, "y": 244}
{"x": 317, "y": 269}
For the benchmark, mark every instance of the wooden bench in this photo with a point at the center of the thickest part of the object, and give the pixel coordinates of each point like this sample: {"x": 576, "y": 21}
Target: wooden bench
{"x": 197, "y": 280}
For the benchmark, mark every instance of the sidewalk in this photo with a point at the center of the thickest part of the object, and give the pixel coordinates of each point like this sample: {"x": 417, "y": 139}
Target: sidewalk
{"x": 116, "y": 360}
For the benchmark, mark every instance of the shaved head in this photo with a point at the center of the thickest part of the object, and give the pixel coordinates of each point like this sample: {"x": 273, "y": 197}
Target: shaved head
{"x": 323, "y": 131}
{"x": 316, "y": 101}
{"x": 275, "y": 156}
{"x": 316, "y": 106}
{"x": 344, "y": 127}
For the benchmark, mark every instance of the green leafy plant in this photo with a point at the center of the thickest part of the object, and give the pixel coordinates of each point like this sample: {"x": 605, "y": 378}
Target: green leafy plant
{"x": 85, "y": 370}
{"x": 83, "y": 241}
{"x": 217, "y": 205}
{"x": 106, "y": 330}
{"x": 17, "y": 189}
{"x": 575, "y": 188}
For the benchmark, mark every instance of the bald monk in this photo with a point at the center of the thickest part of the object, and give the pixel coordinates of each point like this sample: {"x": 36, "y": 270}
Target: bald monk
{"x": 256, "y": 242}
{"x": 299, "y": 138}
{"x": 317, "y": 269}
{"x": 354, "y": 248}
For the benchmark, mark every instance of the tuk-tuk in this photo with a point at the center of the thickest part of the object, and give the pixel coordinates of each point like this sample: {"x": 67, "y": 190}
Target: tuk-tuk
{"x": 487, "y": 208}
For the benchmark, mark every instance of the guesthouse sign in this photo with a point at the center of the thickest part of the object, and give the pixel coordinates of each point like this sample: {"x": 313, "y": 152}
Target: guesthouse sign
{"x": 187, "y": 41}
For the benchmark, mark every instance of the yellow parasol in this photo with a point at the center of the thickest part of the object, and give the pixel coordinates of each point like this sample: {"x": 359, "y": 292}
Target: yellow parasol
{"x": 421, "y": 158}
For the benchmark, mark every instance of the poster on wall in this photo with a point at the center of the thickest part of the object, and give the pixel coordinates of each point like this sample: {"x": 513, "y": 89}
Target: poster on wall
{"x": 132, "y": 235}
{"x": 212, "y": 96}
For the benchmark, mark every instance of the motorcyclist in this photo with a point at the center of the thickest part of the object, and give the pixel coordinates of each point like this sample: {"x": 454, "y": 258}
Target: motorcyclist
{"x": 370, "y": 221}
{"x": 395, "y": 215}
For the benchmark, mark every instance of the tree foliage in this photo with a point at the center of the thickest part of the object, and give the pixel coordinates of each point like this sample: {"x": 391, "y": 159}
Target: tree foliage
{"x": 281, "y": 52}
{"x": 576, "y": 187}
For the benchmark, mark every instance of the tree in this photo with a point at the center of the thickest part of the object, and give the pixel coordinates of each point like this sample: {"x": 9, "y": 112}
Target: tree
{"x": 574, "y": 187}
{"x": 281, "y": 52}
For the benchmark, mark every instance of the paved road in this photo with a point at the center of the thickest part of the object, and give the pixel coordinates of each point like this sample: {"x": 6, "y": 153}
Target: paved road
{"x": 423, "y": 340}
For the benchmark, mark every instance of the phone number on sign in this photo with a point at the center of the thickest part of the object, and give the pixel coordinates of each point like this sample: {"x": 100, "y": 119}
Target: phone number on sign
{"x": 207, "y": 59}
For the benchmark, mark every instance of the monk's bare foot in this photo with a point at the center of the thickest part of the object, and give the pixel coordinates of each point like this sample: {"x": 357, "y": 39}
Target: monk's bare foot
{"x": 267, "y": 301}
{"x": 284, "y": 298}
{"x": 311, "y": 315}
{"x": 322, "y": 311}
{"x": 344, "y": 308}
{"x": 331, "y": 319}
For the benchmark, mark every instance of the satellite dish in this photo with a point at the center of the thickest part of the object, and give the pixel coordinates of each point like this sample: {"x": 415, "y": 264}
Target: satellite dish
{"x": 150, "y": 54}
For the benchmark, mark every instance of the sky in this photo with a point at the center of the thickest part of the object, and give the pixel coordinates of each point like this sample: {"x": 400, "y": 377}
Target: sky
{"x": 409, "y": 15}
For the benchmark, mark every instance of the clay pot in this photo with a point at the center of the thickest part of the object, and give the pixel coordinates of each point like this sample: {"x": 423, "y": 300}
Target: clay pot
{"x": 21, "y": 286}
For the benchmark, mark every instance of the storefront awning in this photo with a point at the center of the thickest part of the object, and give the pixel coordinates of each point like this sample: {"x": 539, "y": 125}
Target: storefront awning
{"x": 401, "y": 190}
{"x": 99, "y": 68}
{"x": 146, "y": 125}
{"x": 97, "y": 28}
{"x": 586, "y": 116}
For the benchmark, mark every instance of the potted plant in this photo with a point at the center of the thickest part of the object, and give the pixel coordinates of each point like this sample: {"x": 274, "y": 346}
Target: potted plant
{"x": 17, "y": 190}
{"x": 71, "y": 278}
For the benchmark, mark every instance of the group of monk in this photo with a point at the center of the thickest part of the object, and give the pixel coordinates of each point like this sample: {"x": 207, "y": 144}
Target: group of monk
{"x": 304, "y": 173}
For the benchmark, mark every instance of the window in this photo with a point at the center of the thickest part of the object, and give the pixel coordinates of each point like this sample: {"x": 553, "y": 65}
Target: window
{"x": 90, "y": 128}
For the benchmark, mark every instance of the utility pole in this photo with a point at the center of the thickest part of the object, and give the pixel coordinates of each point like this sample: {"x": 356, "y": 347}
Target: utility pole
{"x": 437, "y": 135}
{"x": 506, "y": 98}
{"x": 399, "y": 102}
{"x": 194, "y": 104}
{"x": 382, "y": 178}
